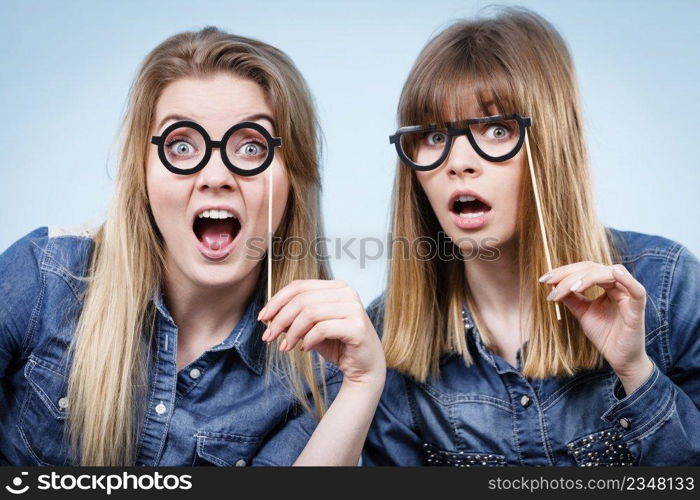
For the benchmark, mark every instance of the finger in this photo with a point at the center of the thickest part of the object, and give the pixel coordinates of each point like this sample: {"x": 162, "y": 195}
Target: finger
{"x": 332, "y": 329}
{"x": 625, "y": 278}
{"x": 311, "y": 315}
{"x": 618, "y": 283}
{"x": 286, "y": 315}
{"x": 558, "y": 273}
{"x": 582, "y": 281}
{"x": 296, "y": 287}
{"x": 577, "y": 303}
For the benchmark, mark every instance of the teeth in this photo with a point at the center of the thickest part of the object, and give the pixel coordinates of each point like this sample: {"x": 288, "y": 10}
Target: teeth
{"x": 471, "y": 215}
{"x": 465, "y": 198}
{"x": 216, "y": 214}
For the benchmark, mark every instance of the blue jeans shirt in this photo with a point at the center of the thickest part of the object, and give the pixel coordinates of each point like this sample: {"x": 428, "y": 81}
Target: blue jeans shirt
{"x": 218, "y": 410}
{"x": 489, "y": 414}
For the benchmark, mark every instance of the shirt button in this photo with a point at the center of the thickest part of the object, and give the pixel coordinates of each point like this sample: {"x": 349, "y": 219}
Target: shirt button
{"x": 525, "y": 401}
{"x": 160, "y": 409}
{"x": 195, "y": 373}
{"x": 63, "y": 403}
{"x": 625, "y": 422}
{"x": 241, "y": 463}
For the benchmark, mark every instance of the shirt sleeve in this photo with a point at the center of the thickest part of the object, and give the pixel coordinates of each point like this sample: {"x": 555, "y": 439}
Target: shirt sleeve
{"x": 20, "y": 286}
{"x": 394, "y": 437}
{"x": 660, "y": 420}
{"x": 288, "y": 440}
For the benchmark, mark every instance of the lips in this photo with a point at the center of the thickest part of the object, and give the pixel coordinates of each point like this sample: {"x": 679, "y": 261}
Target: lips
{"x": 468, "y": 209}
{"x": 216, "y": 229}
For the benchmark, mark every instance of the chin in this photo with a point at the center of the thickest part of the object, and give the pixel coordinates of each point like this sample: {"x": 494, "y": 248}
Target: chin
{"x": 218, "y": 276}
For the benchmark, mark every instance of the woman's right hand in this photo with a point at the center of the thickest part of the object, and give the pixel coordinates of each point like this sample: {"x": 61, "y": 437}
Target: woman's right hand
{"x": 328, "y": 316}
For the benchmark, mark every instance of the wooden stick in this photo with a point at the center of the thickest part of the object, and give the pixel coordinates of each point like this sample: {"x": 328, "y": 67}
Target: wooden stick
{"x": 269, "y": 237}
{"x": 543, "y": 232}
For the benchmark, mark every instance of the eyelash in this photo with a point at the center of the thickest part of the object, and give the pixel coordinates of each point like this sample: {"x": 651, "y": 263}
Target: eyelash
{"x": 177, "y": 139}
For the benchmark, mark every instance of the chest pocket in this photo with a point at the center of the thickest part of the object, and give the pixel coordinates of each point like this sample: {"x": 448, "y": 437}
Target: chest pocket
{"x": 436, "y": 457}
{"x": 224, "y": 450}
{"x": 42, "y": 421}
{"x": 604, "y": 448}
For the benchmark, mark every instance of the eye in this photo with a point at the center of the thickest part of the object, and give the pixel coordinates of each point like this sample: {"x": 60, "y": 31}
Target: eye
{"x": 436, "y": 138}
{"x": 498, "y": 131}
{"x": 180, "y": 147}
{"x": 252, "y": 149}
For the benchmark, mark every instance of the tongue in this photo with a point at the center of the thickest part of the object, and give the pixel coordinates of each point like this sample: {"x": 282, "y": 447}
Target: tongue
{"x": 472, "y": 207}
{"x": 217, "y": 233}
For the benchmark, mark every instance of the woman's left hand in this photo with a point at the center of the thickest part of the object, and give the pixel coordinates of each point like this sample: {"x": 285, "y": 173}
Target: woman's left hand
{"x": 614, "y": 322}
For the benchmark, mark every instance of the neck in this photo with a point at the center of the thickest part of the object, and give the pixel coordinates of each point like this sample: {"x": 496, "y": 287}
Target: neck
{"x": 495, "y": 290}
{"x": 207, "y": 313}
{"x": 495, "y": 285}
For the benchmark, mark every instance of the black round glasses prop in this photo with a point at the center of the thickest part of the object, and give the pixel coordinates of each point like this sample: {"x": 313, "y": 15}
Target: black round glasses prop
{"x": 495, "y": 138}
{"x": 246, "y": 149}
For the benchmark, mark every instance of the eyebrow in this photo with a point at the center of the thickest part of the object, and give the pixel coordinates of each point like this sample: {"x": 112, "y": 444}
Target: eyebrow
{"x": 251, "y": 118}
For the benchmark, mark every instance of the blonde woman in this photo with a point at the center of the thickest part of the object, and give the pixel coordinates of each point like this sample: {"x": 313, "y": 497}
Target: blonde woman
{"x": 144, "y": 342}
{"x": 482, "y": 371}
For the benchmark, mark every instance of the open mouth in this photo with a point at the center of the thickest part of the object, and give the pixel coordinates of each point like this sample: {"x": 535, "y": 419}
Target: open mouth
{"x": 469, "y": 207}
{"x": 216, "y": 230}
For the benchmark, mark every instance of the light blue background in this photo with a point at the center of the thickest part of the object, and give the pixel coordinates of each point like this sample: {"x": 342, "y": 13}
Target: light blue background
{"x": 66, "y": 69}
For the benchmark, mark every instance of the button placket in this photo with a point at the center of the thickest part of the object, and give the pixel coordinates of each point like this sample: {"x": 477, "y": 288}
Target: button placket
{"x": 161, "y": 408}
{"x": 535, "y": 449}
{"x": 161, "y": 395}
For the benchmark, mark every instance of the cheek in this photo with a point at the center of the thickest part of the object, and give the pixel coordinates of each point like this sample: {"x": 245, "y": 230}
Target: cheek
{"x": 510, "y": 186}
{"x": 280, "y": 190}
{"x": 430, "y": 183}
{"x": 167, "y": 196}
{"x": 255, "y": 193}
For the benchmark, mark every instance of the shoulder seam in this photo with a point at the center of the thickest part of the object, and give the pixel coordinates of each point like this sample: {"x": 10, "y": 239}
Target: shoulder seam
{"x": 84, "y": 231}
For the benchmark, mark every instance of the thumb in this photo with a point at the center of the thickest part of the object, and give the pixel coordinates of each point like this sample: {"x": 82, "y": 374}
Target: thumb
{"x": 577, "y": 303}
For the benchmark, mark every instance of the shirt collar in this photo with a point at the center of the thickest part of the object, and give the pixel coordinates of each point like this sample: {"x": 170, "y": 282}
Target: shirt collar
{"x": 473, "y": 332}
{"x": 245, "y": 336}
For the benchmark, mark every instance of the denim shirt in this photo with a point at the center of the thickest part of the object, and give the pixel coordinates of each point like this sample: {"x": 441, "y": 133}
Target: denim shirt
{"x": 489, "y": 414}
{"x": 217, "y": 410}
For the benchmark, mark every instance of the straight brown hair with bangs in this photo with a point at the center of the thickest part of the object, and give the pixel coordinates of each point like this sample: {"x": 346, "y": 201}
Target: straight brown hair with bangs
{"x": 514, "y": 60}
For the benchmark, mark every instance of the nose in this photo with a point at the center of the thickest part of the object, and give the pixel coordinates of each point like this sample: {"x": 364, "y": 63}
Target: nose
{"x": 463, "y": 160}
{"x": 215, "y": 175}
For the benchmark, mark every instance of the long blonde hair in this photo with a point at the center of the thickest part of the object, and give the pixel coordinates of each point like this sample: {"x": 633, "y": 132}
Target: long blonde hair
{"x": 107, "y": 378}
{"x": 518, "y": 60}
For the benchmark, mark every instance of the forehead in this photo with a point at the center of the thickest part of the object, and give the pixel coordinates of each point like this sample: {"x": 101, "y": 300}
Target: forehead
{"x": 461, "y": 102}
{"x": 457, "y": 96}
{"x": 215, "y": 101}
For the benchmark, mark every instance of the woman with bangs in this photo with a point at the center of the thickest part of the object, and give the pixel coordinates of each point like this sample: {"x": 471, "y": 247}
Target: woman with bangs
{"x": 144, "y": 342}
{"x": 539, "y": 337}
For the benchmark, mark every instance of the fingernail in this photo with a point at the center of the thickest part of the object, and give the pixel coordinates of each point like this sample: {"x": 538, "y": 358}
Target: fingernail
{"x": 618, "y": 271}
{"x": 261, "y": 314}
{"x": 266, "y": 334}
{"x": 545, "y": 277}
{"x": 576, "y": 286}
{"x": 283, "y": 345}
{"x": 552, "y": 294}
